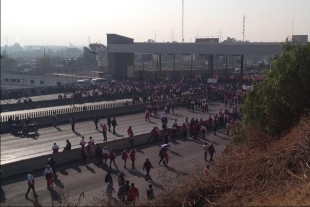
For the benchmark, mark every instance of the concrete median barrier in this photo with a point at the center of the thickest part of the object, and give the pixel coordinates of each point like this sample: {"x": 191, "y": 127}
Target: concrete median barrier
{"x": 37, "y": 163}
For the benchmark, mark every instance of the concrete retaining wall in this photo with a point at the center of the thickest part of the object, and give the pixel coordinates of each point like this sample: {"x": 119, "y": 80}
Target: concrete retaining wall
{"x": 38, "y": 163}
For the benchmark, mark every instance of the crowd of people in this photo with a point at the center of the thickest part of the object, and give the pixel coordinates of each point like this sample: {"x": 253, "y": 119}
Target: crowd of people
{"x": 198, "y": 99}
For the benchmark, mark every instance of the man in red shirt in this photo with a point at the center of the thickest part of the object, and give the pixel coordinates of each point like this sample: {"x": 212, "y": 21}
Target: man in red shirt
{"x": 130, "y": 136}
{"x": 154, "y": 134}
{"x": 104, "y": 132}
{"x": 124, "y": 156}
{"x": 133, "y": 194}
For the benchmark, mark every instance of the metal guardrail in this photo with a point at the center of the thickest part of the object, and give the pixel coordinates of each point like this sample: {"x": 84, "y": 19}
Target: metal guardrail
{"x": 70, "y": 110}
{"x": 48, "y": 113}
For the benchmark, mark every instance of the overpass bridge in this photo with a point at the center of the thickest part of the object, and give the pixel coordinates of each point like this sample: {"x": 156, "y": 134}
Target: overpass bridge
{"x": 121, "y": 52}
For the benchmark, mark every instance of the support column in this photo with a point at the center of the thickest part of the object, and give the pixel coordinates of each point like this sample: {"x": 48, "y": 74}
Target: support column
{"x": 241, "y": 71}
{"x": 226, "y": 65}
{"x": 191, "y": 66}
{"x": 211, "y": 65}
{"x": 142, "y": 66}
{"x": 160, "y": 62}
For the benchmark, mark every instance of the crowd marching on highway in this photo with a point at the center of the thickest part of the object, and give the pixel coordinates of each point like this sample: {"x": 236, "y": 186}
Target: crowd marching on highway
{"x": 195, "y": 128}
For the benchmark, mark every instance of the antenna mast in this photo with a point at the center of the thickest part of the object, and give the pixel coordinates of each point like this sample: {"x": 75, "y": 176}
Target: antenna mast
{"x": 243, "y": 31}
{"x": 292, "y": 28}
{"x": 182, "y": 20}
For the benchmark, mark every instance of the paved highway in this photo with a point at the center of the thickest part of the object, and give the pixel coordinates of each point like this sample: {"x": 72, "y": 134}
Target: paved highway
{"x": 36, "y": 98}
{"x": 14, "y": 148}
{"x": 13, "y": 113}
{"x": 78, "y": 178}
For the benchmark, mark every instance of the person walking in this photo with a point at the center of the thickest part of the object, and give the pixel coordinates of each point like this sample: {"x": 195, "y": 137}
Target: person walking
{"x": 83, "y": 154}
{"x": 153, "y": 134}
{"x": 30, "y": 179}
{"x": 54, "y": 118}
{"x": 125, "y": 156}
{"x": 104, "y": 132}
{"x": 52, "y": 163}
{"x": 211, "y": 151}
{"x": 72, "y": 122}
{"x": 114, "y": 124}
{"x": 96, "y": 119}
{"x": 48, "y": 173}
{"x": 166, "y": 138}
{"x": 82, "y": 141}
{"x": 132, "y": 156}
{"x": 112, "y": 158}
{"x": 205, "y": 150}
{"x": 133, "y": 194}
{"x": 68, "y": 146}
{"x": 147, "y": 166}
{"x": 121, "y": 179}
{"x": 110, "y": 190}
{"x": 108, "y": 177}
{"x": 109, "y": 122}
{"x": 130, "y": 136}
{"x": 105, "y": 154}
{"x": 165, "y": 157}
{"x": 99, "y": 155}
{"x": 150, "y": 193}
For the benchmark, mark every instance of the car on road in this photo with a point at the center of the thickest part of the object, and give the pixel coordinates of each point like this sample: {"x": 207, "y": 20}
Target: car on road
{"x": 99, "y": 81}
{"x": 254, "y": 71}
{"x": 237, "y": 71}
{"x": 83, "y": 83}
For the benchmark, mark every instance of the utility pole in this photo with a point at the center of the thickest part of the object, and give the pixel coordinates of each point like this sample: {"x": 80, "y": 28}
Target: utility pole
{"x": 220, "y": 33}
{"x": 88, "y": 40}
{"x": 155, "y": 36}
{"x": 292, "y": 28}
{"x": 243, "y": 31}
{"x": 7, "y": 41}
{"x": 172, "y": 36}
{"x": 182, "y": 20}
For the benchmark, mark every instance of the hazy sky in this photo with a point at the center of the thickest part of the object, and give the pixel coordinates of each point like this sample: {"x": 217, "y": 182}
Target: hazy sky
{"x": 58, "y": 22}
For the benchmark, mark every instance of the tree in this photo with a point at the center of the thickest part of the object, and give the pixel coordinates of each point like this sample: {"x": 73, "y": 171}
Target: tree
{"x": 44, "y": 62}
{"x": 7, "y": 62}
{"x": 277, "y": 104}
{"x": 230, "y": 40}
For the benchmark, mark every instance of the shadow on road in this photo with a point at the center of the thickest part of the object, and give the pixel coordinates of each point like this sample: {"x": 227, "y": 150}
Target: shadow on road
{"x": 35, "y": 202}
{"x": 118, "y": 135}
{"x": 55, "y": 195}
{"x": 77, "y": 134}
{"x": 176, "y": 171}
{"x": 156, "y": 185}
{"x": 90, "y": 169}
{"x": 77, "y": 168}
{"x": 2, "y": 196}
{"x": 59, "y": 183}
{"x": 175, "y": 153}
{"x": 63, "y": 172}
{"x": 58, "y": 129}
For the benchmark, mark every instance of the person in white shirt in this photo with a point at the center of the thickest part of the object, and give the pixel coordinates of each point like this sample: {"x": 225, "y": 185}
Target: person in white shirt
{"x": 48, "y": 173}
{"x": 30, "y": 179}
{"x": 54, "y": 117}
{"x": 105, "y": 154}
{"x": 91, "y": 140}
{"x": 55, "y": 148}
{"x": 82, "y": 142}
{"x": 205, "y": 150}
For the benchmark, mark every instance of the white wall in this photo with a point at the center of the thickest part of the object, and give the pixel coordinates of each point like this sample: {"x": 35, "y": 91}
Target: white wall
{"x": 36, "y": 80}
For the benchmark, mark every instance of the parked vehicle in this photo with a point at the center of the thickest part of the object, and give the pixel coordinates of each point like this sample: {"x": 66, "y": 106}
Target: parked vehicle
{"x": 30, "y": 128}
{"x": 99, "y": 81}
{"x": 83, "y": 83}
